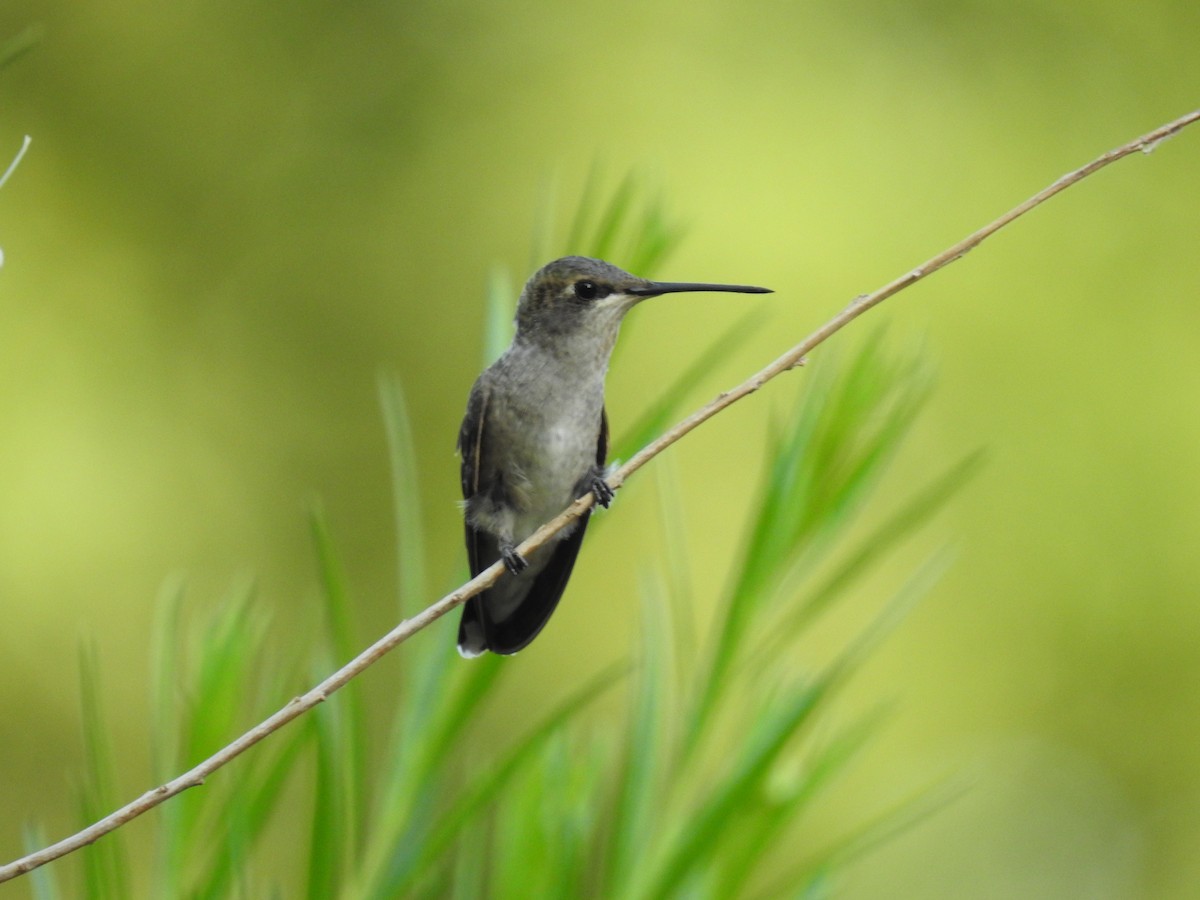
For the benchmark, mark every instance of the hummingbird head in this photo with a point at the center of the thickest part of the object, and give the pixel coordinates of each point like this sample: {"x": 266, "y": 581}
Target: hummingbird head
{"x": 577, "y": 295}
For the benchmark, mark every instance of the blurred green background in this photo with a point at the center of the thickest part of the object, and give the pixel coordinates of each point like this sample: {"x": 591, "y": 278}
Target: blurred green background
{"x": 234, "y": 215}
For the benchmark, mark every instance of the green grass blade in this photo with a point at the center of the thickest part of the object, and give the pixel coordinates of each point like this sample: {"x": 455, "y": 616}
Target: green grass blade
{"x": 475, "y": 799}
{"x": 680, "y": 594}
{"x": 343, "y": 730}
{"x": 423, "y": 739}
{"x": 773, "y": 731}
{"x": 339, "y": 730}
{"x": 628, "y": 228}
{"x": 239, "y": 808}
{"x": 21, "y": 43}
{"x": 585, "y": 766}
{"x": 775, "y": 726}
{"x": 331, "y": 836}
{"x": 783, "y": 496}
{"x": 577, "y": 241}
{"x": 427, "y": 663}
{"x": 639, "y": 782}
{"x": 337, "y": 607}
{"x": 542, "y": 236}
{"x": 451, "y": 704}
{"x": 166, "y": 754}
{"x": 818, "y": 870}
{"x": 164, "y": 682}
{"x": 849, "y": 424}
{"x": 501, "y": 307}
{"x": 471, "y": 869}
{"x": 544, "y": 823}
{"x": 757, "y": 838}
{"x": 105, "y": 862}
{"x": 656, "y": 237}
{"x": 602, "y": 242}
{"x": 245, "y": 810}
{"x": 43, "y": 885}
{"x": 222, "y": 681}
{"x": 516, "y": 871}
{"x": 406, "y": 497}
{"x": 908, "y": 519}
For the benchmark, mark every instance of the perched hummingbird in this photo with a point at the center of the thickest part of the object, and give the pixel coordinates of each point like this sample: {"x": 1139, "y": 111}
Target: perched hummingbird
{"x": 535, "y": 438}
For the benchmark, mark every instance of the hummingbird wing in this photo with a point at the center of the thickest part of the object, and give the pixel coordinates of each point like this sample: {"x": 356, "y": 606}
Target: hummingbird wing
{"x": 478, "y": 629}
{"x": 471, "y": 638}
{"x": 470, "y": 448}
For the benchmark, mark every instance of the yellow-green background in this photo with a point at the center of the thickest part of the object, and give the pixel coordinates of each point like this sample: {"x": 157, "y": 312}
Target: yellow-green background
{"x": 233, "y": 215}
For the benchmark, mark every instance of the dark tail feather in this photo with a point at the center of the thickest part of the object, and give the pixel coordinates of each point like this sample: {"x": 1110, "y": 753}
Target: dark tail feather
{"x": 471, "y": 639}
{"x": 525, "y": 622}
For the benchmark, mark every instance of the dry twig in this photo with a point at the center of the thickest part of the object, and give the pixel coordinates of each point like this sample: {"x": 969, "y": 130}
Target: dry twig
{"x": 406, "y": 629}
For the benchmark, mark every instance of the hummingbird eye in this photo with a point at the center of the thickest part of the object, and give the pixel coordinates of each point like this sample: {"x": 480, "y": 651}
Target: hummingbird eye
{"x": 587, "y": 290}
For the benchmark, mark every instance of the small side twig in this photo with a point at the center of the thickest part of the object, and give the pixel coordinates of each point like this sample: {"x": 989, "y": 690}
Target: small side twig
{"x": 406, "y": 629}
{"x": 12, "y": 167}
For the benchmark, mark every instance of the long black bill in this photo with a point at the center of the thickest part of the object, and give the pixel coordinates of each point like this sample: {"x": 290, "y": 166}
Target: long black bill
{"x": 654, "y": 288}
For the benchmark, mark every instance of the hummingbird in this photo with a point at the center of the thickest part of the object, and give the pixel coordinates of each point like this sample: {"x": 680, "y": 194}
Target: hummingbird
{"x": 535, "y": 438}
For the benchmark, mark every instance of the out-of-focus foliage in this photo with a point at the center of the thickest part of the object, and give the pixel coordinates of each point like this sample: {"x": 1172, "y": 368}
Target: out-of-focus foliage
{"x": 232, "y": 215}
{"x": 694, "y": 789}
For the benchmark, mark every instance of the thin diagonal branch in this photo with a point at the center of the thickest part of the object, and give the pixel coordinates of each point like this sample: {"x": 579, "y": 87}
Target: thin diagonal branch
{"x": 406, "y": 629}
{"x": 12, "y": 166}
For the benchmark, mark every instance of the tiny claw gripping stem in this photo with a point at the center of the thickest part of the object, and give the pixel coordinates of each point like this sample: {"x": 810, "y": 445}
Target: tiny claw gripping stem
{"x": 513, "y": 561}
{"x": 603, "y": 493}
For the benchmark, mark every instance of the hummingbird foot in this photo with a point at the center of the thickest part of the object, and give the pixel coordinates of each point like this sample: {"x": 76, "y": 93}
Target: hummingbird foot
{"x": 513, "y": 561}
{"x": 603, "y": 492}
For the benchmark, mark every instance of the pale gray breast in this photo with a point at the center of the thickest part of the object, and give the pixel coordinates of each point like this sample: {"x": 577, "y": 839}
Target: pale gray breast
{"x": 550, "y": 425}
